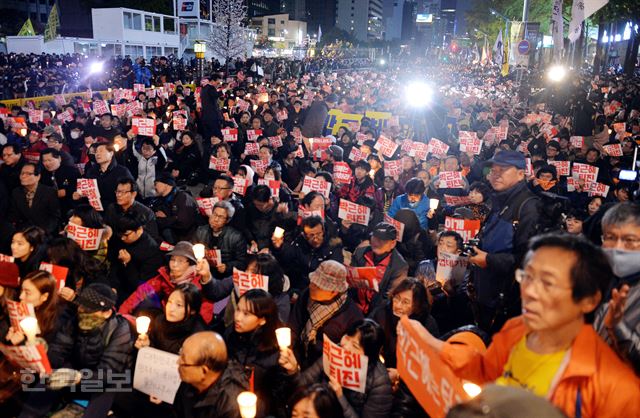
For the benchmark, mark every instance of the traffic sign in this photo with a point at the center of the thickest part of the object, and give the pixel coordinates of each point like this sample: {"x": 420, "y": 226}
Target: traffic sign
{"x": 523, "y": 47}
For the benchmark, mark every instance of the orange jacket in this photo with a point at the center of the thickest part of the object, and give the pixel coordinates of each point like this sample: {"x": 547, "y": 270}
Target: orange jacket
{"x": 594, "y": 377}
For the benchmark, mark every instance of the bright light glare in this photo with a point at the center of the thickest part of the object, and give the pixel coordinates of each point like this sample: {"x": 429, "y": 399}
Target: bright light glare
{"x": 556, "y": 73}
{"x": 418, "y": 94}
{"x": 472, "y": 389}
{"x": 382, "y": 61}
{"x": 96, "y": 67}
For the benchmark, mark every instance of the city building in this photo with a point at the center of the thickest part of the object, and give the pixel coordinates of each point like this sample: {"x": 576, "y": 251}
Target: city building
{"x": 321, "y": 15}
{"x": 295, "y": 8}
{"x": 280, "y": 30}
{"x": 361, "y": 18}
{"x": 393, "y": 11}
{"x": 262, "y": 7}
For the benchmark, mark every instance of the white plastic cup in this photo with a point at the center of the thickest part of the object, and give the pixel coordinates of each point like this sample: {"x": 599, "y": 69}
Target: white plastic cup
{"x": 142, "y": 324}
{"x": 284, "y": 337}
{"x": 434, "y": 203}
{"x": 198, "y": 251}
{"x": 247, "y": 402}
{"x": 278, "y": 232}
{"x": 30, "y": 328}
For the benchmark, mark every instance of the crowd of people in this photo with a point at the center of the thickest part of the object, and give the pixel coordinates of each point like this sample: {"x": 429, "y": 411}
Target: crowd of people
{"x": 542, "y": 275}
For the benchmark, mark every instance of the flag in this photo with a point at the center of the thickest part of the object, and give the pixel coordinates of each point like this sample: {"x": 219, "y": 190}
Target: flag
{"x": 27, "y": 29}
{"x": 505, "y": 58}
{"x": 557, "y": 29}
{"x": 51, "y": 30}
{"x": 319, "y": 33}
{"x": 581, "y": 10}
{"x": 498, "y": 49}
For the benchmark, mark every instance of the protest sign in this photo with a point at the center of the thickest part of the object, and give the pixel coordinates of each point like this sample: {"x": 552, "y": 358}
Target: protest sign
{"x": 138, "y": 87}
{"x": 318, "y": 145}
{"x": 386, "y": 146}
{"x": 36, "y": 116}
{"x": 275, "y": 141}
{"x": 397, "y": 224}
{"x": 87, "y": 238}
{"x": 219, "y": 164}
{"x": 451, "y": 268}
{"x": 585, "y": 171}
{"x": 89, "y": 189}
{"x": 457, "y": 200}
{"x": 353, "y": 212}
{"x": 274, "y": 186}
{"x": 213, "y": 256}
{"x": 59, "y": 272}
{"x": 65, "y": 116}
{"x": 244, "y": 281}
{"x": 365, "y": 277}
{"x": 59, "y": 100}
{"x": 230, "y": 135}
{"x": 562, "y": 167}
{"x": 240, "y": 185}
{"x": 319, "y": 185}
{"x": 429, "y": 379}
{"x": 100, "y": 107}
{"x": 179, "y": 123}
{"x": 420, "y": 150}
{"x": 613, "y": 150}
{"x": 450, "y": 180}
{"x": 205, "y": 205}
{"x": 156, "y": 374}
{"x": 593, "y": 188}
{"x": 577, "y": 142}
{"x": 304, "y": 213}
{"x": 356, "y": 155}
{"x": 393, "y": 168}
{"x": 251, "y": 148}
{"x": 253, "y": 134}
{"x": 467, "y": 228}
{"x": 28, "y": 357}
{"x": 342, "y": 172}
{"x": 17, "y": 311}
{"x": 438, "y": 148}
{"x": 619, "y": 127}
{"x": 143, "y": 126}
{"x": 470, "y": 143}
{"x": 259, "y": 166}
{"x": 348, "y": 368}
{"x": 118, "y": 110}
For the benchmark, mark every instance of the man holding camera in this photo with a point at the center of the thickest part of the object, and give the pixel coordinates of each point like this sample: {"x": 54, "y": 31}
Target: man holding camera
{"x": 512, "y": 221}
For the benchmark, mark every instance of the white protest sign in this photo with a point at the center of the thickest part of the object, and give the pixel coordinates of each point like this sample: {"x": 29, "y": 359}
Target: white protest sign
{"x": 156, "y": 374}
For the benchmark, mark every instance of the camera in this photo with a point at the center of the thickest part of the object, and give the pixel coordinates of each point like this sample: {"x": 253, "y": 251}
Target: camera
{"x": 467, "y": 247}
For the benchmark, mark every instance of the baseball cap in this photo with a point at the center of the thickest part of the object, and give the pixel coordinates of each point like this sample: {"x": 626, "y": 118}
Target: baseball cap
{"x": 96, "y": 297}
{"x": 509, "y": 158}
{"x": 166, "y": 178}
{"x": 384, "y": 231}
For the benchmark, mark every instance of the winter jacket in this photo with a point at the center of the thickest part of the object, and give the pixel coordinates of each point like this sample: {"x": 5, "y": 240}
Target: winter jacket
{"x": 375, "y": 402}
{"x": 181, "y": 212}
{"x": 43, "y": 212}
{"x": 335, "y": 327}
{"x": 421, "y": 210}
{"x": 169, "y": 336}
{"x": 355, "y": 190}
{"x": 260, "y": 225}
{"x": 147, "y": 170}
{"x": 396, "y": 270}
{"x": 219, "y": 401}
{"x": 146, "y": 259}
{"x": 108, "y": 180}
{"x": 513, "y": 219}
{"x": 156, "y": 291}
{"x": 230, "y": 242}
{"x": 594, "y": 377}
{"x": 298, "y": 258}
{"x": 626, "y": 333}
{"x": 314, "y": 121}
{"x": 139, "y": 211}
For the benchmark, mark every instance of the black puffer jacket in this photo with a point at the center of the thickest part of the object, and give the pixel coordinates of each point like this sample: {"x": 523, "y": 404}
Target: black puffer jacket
{"x": 375, "y": 402}
{"x": 169, "y": 336}
{"x": 299, "y": 259}
{"x": 255, "y": 355}
{"x": 232, "y": 246}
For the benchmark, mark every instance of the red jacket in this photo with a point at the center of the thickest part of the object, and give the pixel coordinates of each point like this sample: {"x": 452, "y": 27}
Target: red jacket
{"x": 594, "y": 377}
{"x": 158, "y": 289}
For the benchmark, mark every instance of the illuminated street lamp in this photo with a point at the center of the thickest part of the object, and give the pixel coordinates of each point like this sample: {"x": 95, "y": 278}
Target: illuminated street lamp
{"x": 200, "y": 48}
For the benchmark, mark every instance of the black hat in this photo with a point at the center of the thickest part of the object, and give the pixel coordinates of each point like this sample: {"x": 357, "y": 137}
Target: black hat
{"x": 96, "y": 297}
{"x": 332, "y": 98}
{"x": 508, "y": 158}
{"x": 385, "y": 231}
{"x": 166, "y": 178}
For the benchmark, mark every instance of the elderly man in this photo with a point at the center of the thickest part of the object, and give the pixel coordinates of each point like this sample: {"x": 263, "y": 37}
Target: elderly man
{"x": 219, "y": 235}
{"x": 382, "y": 254}
{"x": 210, "y": 384}
{"x": 513, "y": 219}
{"x": 323, "y": 309}
{"x": 551, "y": 349}
{"x": 618, "y": 319}
{"x": 306, "y": 252}
{"x": 34, "y": 203}
{"x": 222, "y": 188}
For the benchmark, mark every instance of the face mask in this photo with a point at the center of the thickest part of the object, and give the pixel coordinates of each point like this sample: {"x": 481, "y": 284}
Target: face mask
{"x": 89, "y": 321}
{"x": 75, "y": 135}
{"x": 414, "y": 204}
{"x": 623, "y": 262}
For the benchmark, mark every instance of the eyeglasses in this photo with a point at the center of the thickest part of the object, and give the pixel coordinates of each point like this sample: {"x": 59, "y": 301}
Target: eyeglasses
{"x": 629, "y": 242}
{"x": 402, "y": 302}
{"x": 216, "y": 216}
{"x": 523, "y": 278}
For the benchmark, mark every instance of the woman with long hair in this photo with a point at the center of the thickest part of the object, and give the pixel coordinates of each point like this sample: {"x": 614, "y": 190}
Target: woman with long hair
{"x": 87, "y": 216}
{"x": 28, "y": 247}
{"x": 252, "y": 343}
{"x": 83, "y": 268}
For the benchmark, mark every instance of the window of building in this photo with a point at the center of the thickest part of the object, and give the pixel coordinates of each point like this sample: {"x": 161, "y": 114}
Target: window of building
{"x": 127, "y": 20}
{"x": 168, "y": 51}
{"x": 133, "y": 51}
{"x": 153, "y": 51}
{"x": 137, "y": 21}
{"x": 271, "y": 21}
{"x": 169, "y": 25}
{"x": 282, "y": 22}
{"x": 156, "y": 23}
{"x": 148, "y": 23}
{"x": 271, "y": 32}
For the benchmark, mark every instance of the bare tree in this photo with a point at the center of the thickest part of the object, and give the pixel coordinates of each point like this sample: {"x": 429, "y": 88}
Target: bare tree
{"x": 228, "y": 37}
